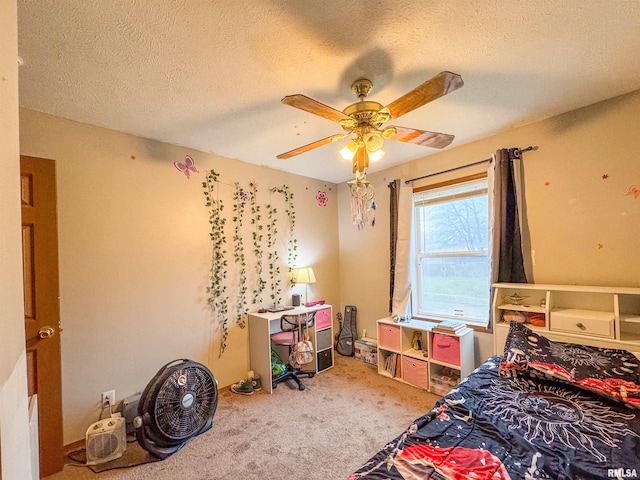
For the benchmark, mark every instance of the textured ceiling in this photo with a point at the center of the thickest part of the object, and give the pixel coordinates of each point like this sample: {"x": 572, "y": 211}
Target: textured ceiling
{"x": 210, "y": 74}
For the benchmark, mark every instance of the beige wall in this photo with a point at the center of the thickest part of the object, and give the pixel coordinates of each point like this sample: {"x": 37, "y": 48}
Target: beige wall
{"x": 135, "y": 256}
{"x": 15, "y": 450}
{"x": 584, "y": 227}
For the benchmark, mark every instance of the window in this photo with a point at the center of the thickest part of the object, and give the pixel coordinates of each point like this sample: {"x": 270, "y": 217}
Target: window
{"x": 451, "y": 268}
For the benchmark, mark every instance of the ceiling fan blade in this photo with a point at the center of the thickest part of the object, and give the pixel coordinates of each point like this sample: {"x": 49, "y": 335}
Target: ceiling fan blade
{"x": 421, "y": 137}
{"x": 313, "y": 106}
{"x": 311, "y": 146}
{"x": 441, "y": 84}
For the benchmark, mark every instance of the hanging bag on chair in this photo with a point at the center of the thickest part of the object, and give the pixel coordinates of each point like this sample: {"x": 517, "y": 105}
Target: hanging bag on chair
{"x": 302, "y": 352}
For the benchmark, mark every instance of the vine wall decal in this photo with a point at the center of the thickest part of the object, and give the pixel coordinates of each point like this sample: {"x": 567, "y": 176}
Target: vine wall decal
{"x": 240, "y": 198}
{"x": 292, "y": 242}
{"x": 228, "y": 289}
{"x": 217, "y": 286}
{"x": 273, "y": 256}
{"x": 257, "y": 236}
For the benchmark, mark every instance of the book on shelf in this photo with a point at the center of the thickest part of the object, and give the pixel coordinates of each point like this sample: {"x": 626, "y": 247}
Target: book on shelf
{"x": 392, "y": 364}
{"x": 449, "y": 326}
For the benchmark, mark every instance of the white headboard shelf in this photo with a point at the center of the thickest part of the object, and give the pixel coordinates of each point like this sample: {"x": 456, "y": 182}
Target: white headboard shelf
{"x": 606, "y": 317}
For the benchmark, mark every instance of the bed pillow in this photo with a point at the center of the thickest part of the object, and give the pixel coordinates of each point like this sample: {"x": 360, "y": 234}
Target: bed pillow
{"x": 609, "y": 372}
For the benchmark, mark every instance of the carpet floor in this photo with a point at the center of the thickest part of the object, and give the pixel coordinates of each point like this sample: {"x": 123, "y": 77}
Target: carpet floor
{"x": 325, "y": 432}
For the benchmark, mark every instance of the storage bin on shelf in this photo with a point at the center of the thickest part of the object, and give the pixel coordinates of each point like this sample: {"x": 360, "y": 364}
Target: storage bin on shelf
{"x": 389, "y": 337}
{"x": 415, "y": 372}
{"x": 446, "y": 348}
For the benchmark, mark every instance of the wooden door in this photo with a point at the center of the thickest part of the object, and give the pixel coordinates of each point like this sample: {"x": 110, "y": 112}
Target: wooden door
{"x": 41, "y": 304}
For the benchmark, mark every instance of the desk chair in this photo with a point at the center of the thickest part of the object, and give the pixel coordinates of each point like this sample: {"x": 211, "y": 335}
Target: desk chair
{"x": 288, "y": 336}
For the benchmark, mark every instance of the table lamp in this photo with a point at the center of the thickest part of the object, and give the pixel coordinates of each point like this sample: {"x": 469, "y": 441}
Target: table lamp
{"x": 304, "y": 275}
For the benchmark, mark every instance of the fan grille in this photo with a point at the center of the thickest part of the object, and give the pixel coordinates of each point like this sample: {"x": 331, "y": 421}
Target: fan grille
{"x": 184, "y": 402}
{"x": 102, "y": 445}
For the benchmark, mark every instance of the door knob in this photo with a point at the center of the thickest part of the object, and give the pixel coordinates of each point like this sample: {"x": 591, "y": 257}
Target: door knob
{"x": 46, "y": 332}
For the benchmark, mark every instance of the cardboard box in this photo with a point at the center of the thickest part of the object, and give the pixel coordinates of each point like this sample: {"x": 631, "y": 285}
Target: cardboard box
{"x": 366, "y": 350}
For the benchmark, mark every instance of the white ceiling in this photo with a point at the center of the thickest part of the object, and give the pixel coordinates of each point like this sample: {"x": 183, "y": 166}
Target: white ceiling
{"x": 210, "y": 74}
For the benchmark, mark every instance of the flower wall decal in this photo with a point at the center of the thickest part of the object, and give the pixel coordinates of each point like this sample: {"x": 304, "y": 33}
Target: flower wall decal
{"x": 322, "y": 198}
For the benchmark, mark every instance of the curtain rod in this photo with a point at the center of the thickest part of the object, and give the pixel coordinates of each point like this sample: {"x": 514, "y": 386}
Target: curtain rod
{"x": 529, "y": 148}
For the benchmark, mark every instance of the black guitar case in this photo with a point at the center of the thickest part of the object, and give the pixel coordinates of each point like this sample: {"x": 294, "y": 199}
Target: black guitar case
{"x": 348, "y": 332}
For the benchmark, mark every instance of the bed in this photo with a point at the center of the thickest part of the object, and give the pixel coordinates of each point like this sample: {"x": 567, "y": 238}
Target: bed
{"x": 544, "y": 410}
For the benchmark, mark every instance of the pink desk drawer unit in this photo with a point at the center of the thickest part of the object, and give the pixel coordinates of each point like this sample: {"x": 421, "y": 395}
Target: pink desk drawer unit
{"x": 415, "y": 372}
{"x": 446, "y": 348}
{"x": 389, "y": 336}
{"x": 323, "y": 318}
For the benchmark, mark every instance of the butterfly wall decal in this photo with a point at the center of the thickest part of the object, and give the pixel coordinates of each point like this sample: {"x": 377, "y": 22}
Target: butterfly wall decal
{"x": 187, "y": 167}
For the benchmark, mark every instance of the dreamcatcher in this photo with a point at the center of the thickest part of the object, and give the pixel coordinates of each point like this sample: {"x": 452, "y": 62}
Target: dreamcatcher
{"x": 362, "y": 204}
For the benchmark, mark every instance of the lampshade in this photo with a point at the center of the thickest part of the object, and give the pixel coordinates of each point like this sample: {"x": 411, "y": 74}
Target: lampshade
{"x": 304, "y": 275}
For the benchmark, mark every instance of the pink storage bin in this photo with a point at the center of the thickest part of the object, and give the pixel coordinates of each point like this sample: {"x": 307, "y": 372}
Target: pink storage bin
{"x": 323, "y": 318}
{"x": 446, "y": 348}
{"x": 389, "y": 336}
{"x": 415, "y": 372}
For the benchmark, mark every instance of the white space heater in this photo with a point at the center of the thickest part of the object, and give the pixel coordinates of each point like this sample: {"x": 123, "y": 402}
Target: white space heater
{"x": 106, "y": 440}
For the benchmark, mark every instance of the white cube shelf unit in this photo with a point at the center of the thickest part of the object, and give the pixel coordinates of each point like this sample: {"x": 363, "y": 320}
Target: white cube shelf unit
{"x": 599, "y": 316}
{"x": 440, "y": 361}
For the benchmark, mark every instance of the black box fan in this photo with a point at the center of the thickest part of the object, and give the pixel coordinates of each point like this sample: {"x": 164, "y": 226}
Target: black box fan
{"x": 176, "y": 406}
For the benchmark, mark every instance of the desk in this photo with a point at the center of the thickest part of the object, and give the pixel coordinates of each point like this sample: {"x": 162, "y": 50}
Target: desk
{"x": 262, "y": 325}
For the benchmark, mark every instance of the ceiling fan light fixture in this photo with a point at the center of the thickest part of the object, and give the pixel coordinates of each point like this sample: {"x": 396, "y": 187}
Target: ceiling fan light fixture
{"x": 377, "y": 155}
{"x": 373, "y": 141}
{"x": 349, "y": 150}
{"x": 364, "y": 120}
{"x": 389, "y": 132}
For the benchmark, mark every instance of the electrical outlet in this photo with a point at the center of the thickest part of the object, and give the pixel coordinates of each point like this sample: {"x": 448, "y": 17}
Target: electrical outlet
{"x": 109, "y": 398}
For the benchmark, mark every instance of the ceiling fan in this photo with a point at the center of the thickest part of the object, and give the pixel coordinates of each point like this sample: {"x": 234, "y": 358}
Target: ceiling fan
{"x": 364, "y": 120}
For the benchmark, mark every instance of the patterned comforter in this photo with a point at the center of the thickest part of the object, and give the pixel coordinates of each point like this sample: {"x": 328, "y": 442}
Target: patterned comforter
{"x": 495, "y": 427}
